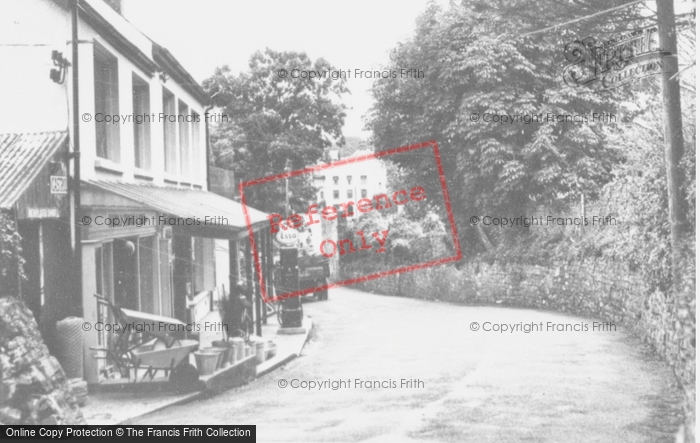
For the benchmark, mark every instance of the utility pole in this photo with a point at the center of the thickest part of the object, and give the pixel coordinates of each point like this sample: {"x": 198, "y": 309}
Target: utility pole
{"x": 286, "y": 196}
{"x": 287, "y": 169}
{"x": 673, "y": 132}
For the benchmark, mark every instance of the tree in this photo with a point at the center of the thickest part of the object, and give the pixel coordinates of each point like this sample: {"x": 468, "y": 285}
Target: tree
{"x": 475, "y": 63}
{"x": 275, "y": 123}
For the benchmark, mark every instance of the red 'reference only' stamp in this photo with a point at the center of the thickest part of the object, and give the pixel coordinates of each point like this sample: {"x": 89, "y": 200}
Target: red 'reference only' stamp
{"x": 413, "y": 194}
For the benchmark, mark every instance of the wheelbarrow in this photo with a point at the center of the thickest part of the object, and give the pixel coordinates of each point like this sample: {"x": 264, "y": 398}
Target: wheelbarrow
{"x": 149, "y": 349}
{"x": 153, "y": 356}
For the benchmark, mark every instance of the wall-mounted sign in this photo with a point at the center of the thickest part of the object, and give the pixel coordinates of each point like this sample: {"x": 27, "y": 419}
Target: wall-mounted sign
{"x": 59, "y": 184}
{"x": 287, "y": 237}
{"x": 47, "y": 195}
{"x": 43, "y": 213}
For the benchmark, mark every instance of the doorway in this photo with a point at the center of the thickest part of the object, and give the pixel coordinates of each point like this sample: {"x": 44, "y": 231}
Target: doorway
{"x": 126, "y": 273}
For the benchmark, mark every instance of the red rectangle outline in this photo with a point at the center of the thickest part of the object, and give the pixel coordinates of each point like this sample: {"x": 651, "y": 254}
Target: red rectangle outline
{"x": 402, "y": 149}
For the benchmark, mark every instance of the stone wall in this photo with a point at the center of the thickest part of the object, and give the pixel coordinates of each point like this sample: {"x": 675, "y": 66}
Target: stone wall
{"x": 33, "y": 386}
{"x": 599, "y": 289}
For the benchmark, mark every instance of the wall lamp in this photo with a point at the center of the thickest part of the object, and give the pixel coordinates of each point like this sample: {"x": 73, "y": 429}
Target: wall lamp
{"x": 58, "y": 75}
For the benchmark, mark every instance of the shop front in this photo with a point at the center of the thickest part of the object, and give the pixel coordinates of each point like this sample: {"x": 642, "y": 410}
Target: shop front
{"x": 151, "y": 249}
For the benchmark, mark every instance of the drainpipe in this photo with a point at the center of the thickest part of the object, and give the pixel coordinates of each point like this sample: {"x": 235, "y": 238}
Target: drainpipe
{"x": 75, "y": 155}
{"x": 206, "y": 132}
{"x": 207, "y": 146}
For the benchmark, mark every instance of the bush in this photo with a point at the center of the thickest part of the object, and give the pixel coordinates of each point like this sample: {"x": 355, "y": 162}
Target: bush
{"x": 11, "y": 260}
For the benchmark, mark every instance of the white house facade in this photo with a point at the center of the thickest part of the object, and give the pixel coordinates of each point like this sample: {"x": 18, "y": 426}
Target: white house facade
{"x": 348, "y": 182}
{"x": 147, "y": 222}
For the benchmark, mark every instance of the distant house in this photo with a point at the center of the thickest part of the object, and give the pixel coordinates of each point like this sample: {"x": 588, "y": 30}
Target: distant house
{"x": 147, "y": 221}
{"x": 348, "y": 182}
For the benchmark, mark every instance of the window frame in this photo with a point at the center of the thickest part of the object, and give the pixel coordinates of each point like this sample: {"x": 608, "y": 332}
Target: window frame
{"x": 195, "y": 148}
{"x": 184, "y": 142}
{"x": 106, "y": 102}
{"x": 141, "y": 99}
{"x": 170, "y": 134}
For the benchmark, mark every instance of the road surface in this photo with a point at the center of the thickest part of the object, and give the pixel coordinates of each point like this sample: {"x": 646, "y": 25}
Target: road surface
{"x": 460, "y": 385}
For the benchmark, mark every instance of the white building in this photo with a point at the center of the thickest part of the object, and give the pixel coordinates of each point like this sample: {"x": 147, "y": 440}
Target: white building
{"x": 149, "y": 166}
{"x": 357, "y": 178}
{"x": 351, "y": 181}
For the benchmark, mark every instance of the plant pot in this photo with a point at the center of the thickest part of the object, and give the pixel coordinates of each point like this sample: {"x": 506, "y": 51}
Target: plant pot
{"x": 259, "y": 352}
{"x": 219, "y": 352}
{"x": 271, "y": 350}
{"x": 229, "y": 351}
{"x": 239, "y": 346}
{"x": 206, "y": 362}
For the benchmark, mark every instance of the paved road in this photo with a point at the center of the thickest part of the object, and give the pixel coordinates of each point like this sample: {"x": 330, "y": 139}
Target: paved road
{"x": 476, "y": 386}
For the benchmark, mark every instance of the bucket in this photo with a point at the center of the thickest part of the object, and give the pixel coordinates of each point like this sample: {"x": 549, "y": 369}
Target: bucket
{"x": 259, "y": 352}
{"x": 239, "y": 346}
{"x": 226, "y": 356}
{"x": 219, "y": 352}
{"x": 228, "y": 348}
{"x": 271, "y": 350}
{"x": 206, "y": 362}
{"x": 69, "y": 335}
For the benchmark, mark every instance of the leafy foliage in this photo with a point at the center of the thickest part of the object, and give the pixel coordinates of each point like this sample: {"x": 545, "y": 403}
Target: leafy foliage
{"x": 11, "y": 261}
{"x": 637, "y": 199}
{"x": 475, "y": 64}
{"x": 275, "y": 123}
{"x": 640, "y": 195}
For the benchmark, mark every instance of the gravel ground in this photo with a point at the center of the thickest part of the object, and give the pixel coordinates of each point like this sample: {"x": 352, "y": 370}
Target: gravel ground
{"x": 474, "y": 386}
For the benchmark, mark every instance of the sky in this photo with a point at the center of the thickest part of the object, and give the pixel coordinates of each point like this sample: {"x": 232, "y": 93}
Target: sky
{"x": 205, "y": 34}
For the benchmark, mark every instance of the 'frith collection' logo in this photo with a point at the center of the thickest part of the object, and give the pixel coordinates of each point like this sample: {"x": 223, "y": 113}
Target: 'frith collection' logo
{"x": 612, "y": 63}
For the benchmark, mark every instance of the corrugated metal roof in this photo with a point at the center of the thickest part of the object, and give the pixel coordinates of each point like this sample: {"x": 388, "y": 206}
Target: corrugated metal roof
{"x": 21, "y": 158}
{"x": 181, "y": 202}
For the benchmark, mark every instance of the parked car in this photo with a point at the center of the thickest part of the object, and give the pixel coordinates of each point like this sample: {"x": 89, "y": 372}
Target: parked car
{"x": 314, "y": 271}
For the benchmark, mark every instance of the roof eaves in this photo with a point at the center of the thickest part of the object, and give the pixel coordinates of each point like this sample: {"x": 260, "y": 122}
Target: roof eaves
{"x": 115, "y": 38}
{"x": 172, "y": 67}
{"x": 22, "y": 156}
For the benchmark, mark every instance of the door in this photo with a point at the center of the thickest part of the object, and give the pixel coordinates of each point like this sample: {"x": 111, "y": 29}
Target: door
{"x": 182, "y": 275}
{"x": 126, "y": 280}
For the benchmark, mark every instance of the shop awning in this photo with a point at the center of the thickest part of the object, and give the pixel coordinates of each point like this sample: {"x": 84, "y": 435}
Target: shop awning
{"x": 22, "y": 156}
{"x": 225, "y": 216}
